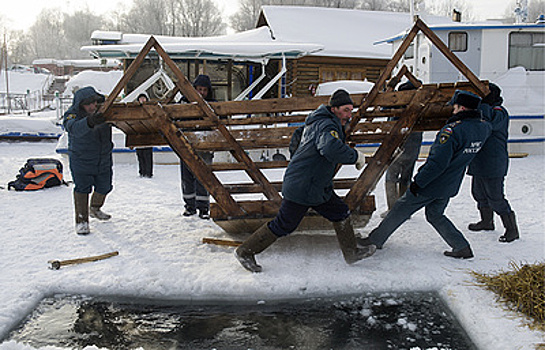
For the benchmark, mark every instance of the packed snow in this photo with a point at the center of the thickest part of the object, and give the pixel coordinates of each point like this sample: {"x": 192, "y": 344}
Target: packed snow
{"x": 161, "y": 254}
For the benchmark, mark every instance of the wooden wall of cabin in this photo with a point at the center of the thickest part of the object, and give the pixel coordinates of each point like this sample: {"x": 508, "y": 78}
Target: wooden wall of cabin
{"x": 306, "y": 73}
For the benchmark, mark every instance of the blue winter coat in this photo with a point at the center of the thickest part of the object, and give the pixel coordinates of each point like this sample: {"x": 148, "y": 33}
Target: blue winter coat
{"x": 309, "y": 177}
{"x": 89, "y": 149}
{"x": 493, "y": 159}
{"x": 454, "y": 148}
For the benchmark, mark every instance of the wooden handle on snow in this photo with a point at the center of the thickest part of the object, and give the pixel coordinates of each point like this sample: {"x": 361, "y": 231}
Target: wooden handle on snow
{"x": 56, "y": 264}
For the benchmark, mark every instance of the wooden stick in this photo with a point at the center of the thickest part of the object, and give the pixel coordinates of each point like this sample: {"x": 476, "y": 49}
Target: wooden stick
{"x": 224, "y": 242}
{"x": 56, "y": 264}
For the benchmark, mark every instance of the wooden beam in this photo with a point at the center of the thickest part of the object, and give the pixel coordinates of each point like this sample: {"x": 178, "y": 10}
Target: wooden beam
{"x": 384, "y": 155}
{"x": 482, "y": 88}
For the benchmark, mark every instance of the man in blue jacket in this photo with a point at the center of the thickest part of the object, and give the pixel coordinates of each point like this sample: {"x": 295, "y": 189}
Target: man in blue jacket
{"x": 440, "y": 177}
{"x": 489, "y": 169}
{"x": 90, "y": 153}
{"x": 308, "y": 183}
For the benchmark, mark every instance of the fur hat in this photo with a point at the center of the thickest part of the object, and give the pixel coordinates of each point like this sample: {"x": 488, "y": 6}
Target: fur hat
{"x": 494, "y": 97}
{"x": 466, "y": 99}
{"x": 340, "y": 98}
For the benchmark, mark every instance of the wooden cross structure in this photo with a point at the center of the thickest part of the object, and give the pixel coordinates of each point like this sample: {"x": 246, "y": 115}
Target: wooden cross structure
{"x": 384, "y": 117}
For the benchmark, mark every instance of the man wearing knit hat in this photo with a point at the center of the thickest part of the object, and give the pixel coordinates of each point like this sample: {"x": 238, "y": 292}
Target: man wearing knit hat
{"x": 440, "y": 177}
{"x": 308, "y": 183}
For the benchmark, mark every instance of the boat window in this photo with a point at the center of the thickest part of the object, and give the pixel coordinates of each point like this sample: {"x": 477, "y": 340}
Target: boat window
{"x": 410, "y": 52}
{"x": 457, "y": 41}
{"x": 527, "y": 50}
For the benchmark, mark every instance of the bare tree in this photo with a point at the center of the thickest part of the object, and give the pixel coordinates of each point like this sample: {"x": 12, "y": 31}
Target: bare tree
{"x": 44, "y": 36}
{"x": 199, "y": 18}
{"x": 77, "y": 29}
{"x": 147, "y": 16}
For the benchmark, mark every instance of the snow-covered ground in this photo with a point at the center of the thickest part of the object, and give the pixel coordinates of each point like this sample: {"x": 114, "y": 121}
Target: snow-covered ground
{"x": 161, "y": 255}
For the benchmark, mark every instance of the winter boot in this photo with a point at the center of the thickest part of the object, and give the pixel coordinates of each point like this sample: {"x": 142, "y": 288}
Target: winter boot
{"x": 81, "y": 205}
{"x": 347, "y": 242}
{"x": 487, "y": 220}
{"x": 465, "y": 253}
{"x": 203, "y": 214}
{"x": 260, "y": 240}
{"x": 97, "y": 201}
{"x": 511, "y": 229}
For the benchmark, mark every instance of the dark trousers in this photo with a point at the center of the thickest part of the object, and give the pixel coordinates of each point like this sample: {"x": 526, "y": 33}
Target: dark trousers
{"x": 407, "y": 205}
{"x": 488, "y": 192}
{"x": 290, "y": 214}
{"x": 145, "y": 161}
{"x": 194, "y": 195}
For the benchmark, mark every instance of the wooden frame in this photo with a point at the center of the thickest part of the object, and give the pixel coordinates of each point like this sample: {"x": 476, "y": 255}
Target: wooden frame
{"x": 240, "y": 126}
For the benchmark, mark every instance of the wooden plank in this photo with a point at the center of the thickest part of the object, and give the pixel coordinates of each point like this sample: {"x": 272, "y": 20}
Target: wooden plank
{"x": 338, "y": 184}
{"x": 265, "y": 208}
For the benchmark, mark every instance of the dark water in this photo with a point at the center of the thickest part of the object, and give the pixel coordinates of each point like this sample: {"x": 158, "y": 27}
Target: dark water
{"x": 370, "y": 321}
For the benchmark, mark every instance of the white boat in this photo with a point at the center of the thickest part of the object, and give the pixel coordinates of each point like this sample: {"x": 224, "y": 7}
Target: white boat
{"x": 509, "y": 55}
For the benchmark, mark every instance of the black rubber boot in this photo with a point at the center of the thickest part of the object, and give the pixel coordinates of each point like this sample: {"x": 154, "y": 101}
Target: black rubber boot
{"x": 97, "y": 201}
{"x": 260, "y": 240}
{"x": 347, "y": 241}
{"x": 511, "y": 229}
{"x": 81, "y": 206}
{"x": 465, "y": 253}
{"x": 487, "y": 221}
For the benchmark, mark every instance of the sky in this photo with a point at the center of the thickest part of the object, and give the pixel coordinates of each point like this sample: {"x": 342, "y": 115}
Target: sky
{"x": 21, "y": 14}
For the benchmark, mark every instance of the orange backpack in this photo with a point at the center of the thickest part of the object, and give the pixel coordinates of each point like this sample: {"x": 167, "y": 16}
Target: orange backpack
{"x": 38, "y": 173}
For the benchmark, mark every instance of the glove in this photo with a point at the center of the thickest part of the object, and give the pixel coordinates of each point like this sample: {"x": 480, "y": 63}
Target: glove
{"x": 414, "y": 188}
{"x": 95, "y": 119}
{"x": 360, "y": 162}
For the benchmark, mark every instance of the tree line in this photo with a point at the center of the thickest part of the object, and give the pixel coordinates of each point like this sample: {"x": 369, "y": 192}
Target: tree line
{"x": 59, "y": 35}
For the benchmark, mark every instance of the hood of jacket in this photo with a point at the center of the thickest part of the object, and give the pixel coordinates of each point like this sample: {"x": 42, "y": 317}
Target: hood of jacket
{"x": 87, "y": 93}
{"x": 321, "y": 113}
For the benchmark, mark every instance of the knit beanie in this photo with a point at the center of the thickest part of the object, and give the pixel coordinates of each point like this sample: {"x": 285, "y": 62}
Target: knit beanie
{"x": 340, "y": 98}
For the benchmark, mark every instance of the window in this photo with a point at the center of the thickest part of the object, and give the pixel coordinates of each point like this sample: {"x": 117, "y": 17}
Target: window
{"x": 457, "y": 41}
{"x": 409, "y": 54}
{"x": 527, "y": 50}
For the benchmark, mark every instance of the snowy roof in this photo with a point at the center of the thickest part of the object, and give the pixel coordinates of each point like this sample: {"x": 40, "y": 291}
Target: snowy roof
{"x": 79, "y": 63}
{"x": 342, "y": 32}
{"x": 254, "y": 45}
{"x": 486, "y": 25}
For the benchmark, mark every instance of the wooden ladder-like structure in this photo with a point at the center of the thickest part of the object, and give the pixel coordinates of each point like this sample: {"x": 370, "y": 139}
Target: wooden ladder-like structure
{"x": 240, "y": 126}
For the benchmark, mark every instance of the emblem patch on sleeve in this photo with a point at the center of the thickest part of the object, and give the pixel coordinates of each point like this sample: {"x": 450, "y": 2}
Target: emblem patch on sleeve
{"x": 334, "y": 133}
{"x": 71, "y": 116}
{"x": 445, "y": 135}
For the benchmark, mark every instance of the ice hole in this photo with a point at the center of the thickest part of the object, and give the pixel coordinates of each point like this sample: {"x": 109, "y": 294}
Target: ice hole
{"x": 415, "y": 320}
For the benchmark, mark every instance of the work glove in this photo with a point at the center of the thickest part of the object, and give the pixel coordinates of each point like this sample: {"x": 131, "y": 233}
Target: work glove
{"x": 360, "y": 162}
{"x": 414, "y": 188}
{"x": 95, "y": 119}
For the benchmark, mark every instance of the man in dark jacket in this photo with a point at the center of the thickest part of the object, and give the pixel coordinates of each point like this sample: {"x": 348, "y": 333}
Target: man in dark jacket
{"x": 194, "y": 194}
{"x": 308, "y": 183}
{"x": 489, "y": 169}
{"x": 90, "y": 153}
{"x": 440, "y": 177}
